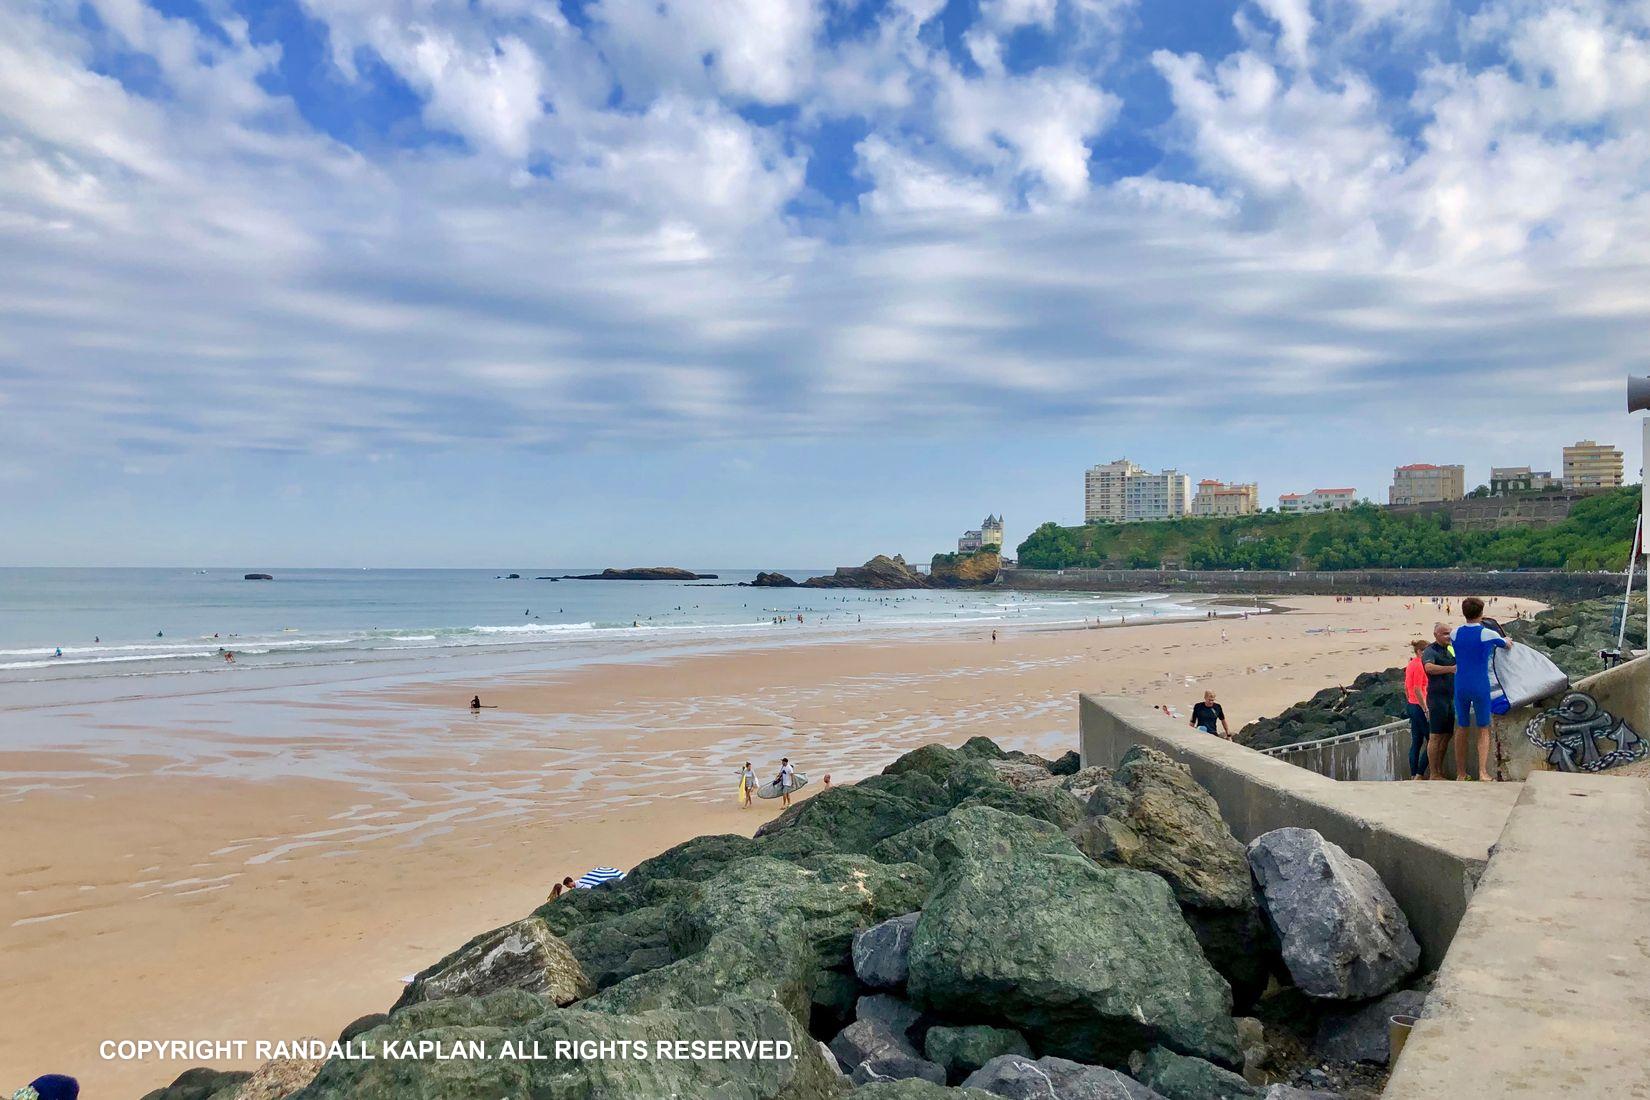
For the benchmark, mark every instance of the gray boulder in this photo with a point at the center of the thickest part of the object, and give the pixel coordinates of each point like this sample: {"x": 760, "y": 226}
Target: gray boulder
{"x": 915, "y": 1089}
{"x": 1087, "y": 962}
{"x": 524, "y": 955}
{"x": 1020, "y": 1078}
{"x": 1343, "y": 935}
{"x": 1178, "y": 1077}
{"x": 882, "y": 953}
{"x": 962, "y": 1050}
{"x": 872, "y": 1052}
{"x": 891, "y": 1012}
{"x": 1290, "y": 1092}
{"x": 1361, "y": 1036}
{"x": 897, "y": 1065}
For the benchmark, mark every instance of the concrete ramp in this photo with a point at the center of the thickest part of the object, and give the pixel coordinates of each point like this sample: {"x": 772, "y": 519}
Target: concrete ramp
{"x": 1546, "y": 989}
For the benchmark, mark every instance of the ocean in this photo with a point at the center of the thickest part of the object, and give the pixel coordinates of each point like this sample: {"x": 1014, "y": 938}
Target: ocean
{"x": 134, "y": 625}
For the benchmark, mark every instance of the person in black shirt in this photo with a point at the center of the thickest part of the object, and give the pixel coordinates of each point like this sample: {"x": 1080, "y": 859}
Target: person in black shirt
{"x": 1439, "y": 660}
{"x": 1209, "y": 712}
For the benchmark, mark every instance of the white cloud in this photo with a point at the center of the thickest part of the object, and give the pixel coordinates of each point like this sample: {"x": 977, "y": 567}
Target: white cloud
{"x": 625, "y": 246}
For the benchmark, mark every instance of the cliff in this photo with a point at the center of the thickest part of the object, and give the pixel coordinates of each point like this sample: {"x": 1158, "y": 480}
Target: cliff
{"x": 964, "y": 570}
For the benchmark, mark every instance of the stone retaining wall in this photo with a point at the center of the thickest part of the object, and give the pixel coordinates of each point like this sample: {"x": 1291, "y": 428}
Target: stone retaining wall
{"x": 1545, "y": 586}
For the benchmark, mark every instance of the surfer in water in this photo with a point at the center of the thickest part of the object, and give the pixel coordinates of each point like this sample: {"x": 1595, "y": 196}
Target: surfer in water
{"x": 786, "y": 779}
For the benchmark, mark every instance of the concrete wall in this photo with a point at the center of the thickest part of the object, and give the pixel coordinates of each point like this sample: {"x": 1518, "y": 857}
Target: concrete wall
{"x": 1544, "y": 990}
{"x": 1545, "y": 586}
{"x": 1428, "y": 841}
{"x": 1624, "y": 691}
{"x": 1370, "y": 755}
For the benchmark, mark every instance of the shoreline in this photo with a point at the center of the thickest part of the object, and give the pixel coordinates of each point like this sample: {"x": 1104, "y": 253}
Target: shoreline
{"x": 410, "y": 824}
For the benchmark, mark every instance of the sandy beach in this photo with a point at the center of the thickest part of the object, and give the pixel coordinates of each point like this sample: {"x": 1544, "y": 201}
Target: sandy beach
{"x": 160, "y": 893}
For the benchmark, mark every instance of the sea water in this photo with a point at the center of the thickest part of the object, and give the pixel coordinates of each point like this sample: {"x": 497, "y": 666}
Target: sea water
{"x": 133, "y": 624}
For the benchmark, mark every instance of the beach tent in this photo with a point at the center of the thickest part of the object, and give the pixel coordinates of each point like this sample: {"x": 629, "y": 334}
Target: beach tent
{"x": 598, "y": 875}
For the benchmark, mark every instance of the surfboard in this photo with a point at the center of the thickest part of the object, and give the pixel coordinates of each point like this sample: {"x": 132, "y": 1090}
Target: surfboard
{"x": 770, "y": 789}
{"x": 1522, "y": 675}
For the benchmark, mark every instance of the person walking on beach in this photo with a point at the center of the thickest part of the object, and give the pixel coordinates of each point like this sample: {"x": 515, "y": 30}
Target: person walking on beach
{"x": 1209, "y": 712}
{"x": 747, "y": 785}
{"x": 1415, "y": 703}
{"x": 785, "y": 780}
{"x": 1438, "y": 659}
{"x": 1475, "y": 641}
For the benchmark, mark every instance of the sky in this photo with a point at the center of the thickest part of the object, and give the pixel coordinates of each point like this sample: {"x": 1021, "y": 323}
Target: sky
{"x": 755, "y": 283}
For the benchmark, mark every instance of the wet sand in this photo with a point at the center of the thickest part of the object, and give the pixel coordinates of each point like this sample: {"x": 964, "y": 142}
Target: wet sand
{"x": 278, "y": 882}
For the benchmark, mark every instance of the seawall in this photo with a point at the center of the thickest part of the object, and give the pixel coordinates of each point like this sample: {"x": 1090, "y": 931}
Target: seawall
{"x": 1544, "y": 586}
{"x": 1429, "y": 842}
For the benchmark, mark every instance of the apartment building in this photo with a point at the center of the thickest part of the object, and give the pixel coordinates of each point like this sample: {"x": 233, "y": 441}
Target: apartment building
{"x": 1122, "y": 492}
{"x": 1424, "y": 483}
{"x": 1521, "y": 479}
{"x": 1216, "y": 498}
{"x": 1590, "y": 465}
{"x": 1318, "y": 500}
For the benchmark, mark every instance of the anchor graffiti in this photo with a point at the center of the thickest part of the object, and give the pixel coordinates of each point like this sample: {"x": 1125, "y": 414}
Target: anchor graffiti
{"x": 1579, "y": 724}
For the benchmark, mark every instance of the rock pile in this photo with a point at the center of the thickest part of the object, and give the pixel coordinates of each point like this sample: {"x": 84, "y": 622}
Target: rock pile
{"x": 1373, "y": 699}
{"x": 970, "y": 923}
{"x": 1571, "y": 635}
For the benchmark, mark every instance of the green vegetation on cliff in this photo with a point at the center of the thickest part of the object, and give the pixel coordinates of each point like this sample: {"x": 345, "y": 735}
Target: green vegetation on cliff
{"x": 1595, "y": 536}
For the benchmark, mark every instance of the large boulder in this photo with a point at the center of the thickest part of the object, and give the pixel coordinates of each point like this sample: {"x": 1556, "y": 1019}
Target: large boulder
{"x": 1362, "y": 1035}
{"x": 1155, "y": 817}
{"x": 1177, "y": 1077}
{"x": 1019, "y": 1078}
{"x": 871, "y": 1051}
{"x": 962, "y": 1050}
{"x": 523, "y": 1019}
{"x": 1088, "y": 962}
{"x": 201, "y": 1083}
{"x": 915, "y": 1090}
{"x": 882, "y": 953}
{"x": 1343, "y": 935}
{"x": 894, "y": 1014}
{"x": 523, "y": 955}
{"x": 855, "y": 816}
{"x": 767, "y": 927}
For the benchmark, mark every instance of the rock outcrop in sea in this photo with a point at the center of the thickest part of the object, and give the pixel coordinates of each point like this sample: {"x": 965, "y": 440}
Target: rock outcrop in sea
{"x": 889, "y": 573}
{"x": 647, "y": 573}
{"x": 970, "y": 923}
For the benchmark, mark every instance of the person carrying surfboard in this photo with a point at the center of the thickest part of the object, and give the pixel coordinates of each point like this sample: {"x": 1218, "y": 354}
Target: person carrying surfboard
{"x": 786, "y": 780}
{"x": 747, "y": 785}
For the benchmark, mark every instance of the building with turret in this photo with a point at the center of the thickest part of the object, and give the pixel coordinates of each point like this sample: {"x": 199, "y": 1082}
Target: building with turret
{"x": 988, "y": 537}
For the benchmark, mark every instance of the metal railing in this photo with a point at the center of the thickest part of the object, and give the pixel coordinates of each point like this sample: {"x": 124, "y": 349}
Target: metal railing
{"x": 1337, "y": 739}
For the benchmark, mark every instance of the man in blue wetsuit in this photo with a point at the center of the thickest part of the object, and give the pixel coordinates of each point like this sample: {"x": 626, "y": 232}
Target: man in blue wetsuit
{"x": 1475, "y": 642}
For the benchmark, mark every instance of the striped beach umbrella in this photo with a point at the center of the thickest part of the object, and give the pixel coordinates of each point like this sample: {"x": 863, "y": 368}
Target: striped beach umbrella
{"x": 598, "y": 875}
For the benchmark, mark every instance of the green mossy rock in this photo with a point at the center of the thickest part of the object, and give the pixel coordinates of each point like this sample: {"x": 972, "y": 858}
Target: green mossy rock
{"x": 522, "y": 955}
{"x": 962, "y": 1050}
{"x": 917, "y": 1089}
{"x": 1158, "y": 819}
{"x": 983, "y": 747}
{"x": 1177, "y": 1077}
{"x": 764, "y": 926}
{"x": 1089, "y": 963}
{"x": 805, "y": 1076}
